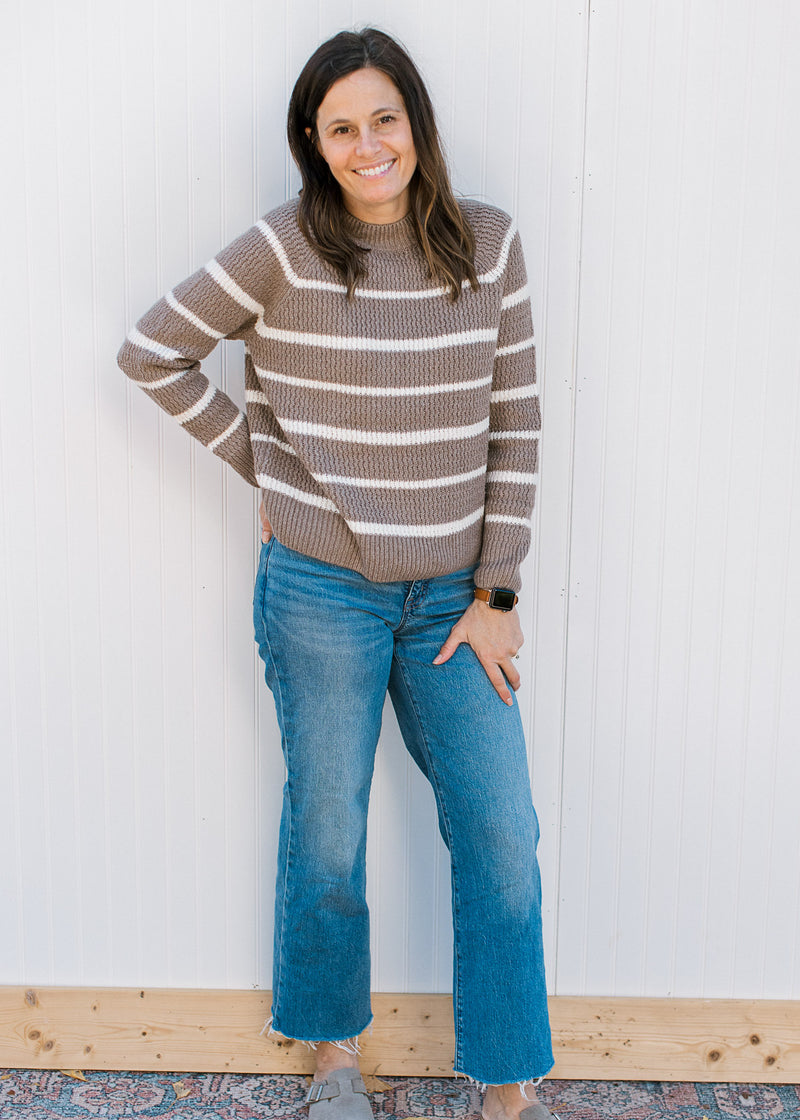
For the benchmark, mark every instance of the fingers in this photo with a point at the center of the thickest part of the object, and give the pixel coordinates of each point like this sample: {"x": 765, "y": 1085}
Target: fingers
{"x": 454, "y": 640}
{"x": 495, "y": 675}
{"x": 266, "y": 528}
{"x": 510, "y": 670}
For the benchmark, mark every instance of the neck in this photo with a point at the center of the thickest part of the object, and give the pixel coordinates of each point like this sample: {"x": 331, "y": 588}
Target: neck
{"x": 380, "y": 216}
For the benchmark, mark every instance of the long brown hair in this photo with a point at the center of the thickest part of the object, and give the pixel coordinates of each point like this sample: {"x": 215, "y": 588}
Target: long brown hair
{"x": 443, "y": 233}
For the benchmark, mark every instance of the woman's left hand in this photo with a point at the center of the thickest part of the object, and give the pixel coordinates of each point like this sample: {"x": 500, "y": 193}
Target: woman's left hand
{"x": 495, "y": 636}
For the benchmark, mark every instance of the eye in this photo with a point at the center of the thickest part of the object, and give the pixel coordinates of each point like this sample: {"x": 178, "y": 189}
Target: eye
{"x": 340, "y": 130}
{"x": 387, "y": 118}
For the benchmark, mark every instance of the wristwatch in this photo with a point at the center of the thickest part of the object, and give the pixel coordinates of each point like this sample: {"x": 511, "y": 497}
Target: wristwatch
{"x": 501, "y": 598}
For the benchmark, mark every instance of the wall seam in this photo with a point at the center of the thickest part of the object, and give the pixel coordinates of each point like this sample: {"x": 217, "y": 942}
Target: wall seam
{"x": 571, "y": 490}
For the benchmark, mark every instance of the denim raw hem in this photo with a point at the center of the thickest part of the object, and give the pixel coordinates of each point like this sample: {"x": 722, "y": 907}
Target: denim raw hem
{"x": 534, "y": 1082}
{"x": 349, "y": 1045}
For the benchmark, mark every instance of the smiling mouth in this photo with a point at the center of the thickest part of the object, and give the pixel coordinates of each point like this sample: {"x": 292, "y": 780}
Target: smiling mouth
{"x": 375, "y": 172}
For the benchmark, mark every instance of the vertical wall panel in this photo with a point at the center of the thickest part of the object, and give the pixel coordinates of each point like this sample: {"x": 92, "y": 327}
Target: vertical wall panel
{"x": 551, "y": 93}
{"x": 645, "y": 151}
{"x": 17, "y": 532}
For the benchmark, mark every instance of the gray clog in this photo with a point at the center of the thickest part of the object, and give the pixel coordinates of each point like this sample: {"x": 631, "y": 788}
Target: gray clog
{"x": 341, "y": 1096}
{"x": 537, "y": 1111}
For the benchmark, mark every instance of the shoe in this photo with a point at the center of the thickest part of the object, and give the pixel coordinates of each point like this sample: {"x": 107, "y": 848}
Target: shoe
{"x": 341, "y": 1096}
{"x": 537, "y": 1111}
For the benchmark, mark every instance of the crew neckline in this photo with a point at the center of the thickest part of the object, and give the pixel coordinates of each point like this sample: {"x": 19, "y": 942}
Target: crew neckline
{"x": 383, "y": 235}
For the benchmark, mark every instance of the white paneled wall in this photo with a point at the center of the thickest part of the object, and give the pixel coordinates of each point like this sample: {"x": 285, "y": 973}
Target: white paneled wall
{"x": 649, "y": 153}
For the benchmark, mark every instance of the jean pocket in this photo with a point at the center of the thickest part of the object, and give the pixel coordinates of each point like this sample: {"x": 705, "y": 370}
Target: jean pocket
{"x": 260, "y": 589}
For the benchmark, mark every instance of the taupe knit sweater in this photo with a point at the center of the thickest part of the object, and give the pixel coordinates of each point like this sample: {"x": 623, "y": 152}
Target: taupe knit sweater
{"x": 396, "y": 434}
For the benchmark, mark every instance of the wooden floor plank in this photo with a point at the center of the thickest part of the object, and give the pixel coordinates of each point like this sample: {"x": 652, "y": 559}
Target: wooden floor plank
{"x": 412, "y": 1035}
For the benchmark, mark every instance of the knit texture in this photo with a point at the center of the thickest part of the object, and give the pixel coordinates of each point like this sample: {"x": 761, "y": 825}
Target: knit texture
{"x": 395, "y": 434}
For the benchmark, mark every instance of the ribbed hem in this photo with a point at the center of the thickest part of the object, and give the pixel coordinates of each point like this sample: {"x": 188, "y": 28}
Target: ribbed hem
{"x": 383, "y": 235}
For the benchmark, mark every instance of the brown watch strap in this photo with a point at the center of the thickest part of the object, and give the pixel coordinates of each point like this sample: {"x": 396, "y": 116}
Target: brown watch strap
{"x": 486, "y": 594}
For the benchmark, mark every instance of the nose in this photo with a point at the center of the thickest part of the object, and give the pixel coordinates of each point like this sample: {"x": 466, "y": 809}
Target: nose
{"x": 368, "y": 144}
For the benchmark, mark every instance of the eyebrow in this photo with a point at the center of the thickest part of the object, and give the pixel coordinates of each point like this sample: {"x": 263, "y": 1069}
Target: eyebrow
{"x": 375, "y": 113}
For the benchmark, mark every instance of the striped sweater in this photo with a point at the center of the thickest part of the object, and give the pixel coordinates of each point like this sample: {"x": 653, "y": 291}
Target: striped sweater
{"x": 395, "y": 434}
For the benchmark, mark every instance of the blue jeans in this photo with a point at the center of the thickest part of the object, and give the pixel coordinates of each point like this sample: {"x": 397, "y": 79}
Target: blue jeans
{"x": 332, "y": 642}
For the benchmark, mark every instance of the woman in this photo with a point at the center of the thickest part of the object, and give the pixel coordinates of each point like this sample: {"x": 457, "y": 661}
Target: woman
{"x": 392, "y": 423}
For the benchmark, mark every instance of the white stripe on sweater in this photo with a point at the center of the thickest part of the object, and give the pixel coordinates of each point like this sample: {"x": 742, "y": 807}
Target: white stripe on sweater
{"x": 532, "y": 434}
{"x": 370, "y": 528}
{"x": 507, "y": 519}
{"x": 520, "y": 393}
{"x": 396, "y": 293}
{"x": 176, "y": 305}
{"x": 393, "y": 439}
{"x": 524, "y": 478}
{"x": 445, "y": 529}
{"x": 231, "y": 428}
{"x": 263, "y": 437}
{"x": 296, "y": 281}
{"x": 229, "y": 285}
{"x": 392, "y": 345}
{"x": 269, "y": 483}
{"x": 513, "y": 298}
{"x": 502, "y": 260}
{"x": 514, "y": 348}
{"x": 162, "y": 381}
{"x": 283, "y": 260}
{"x": 368, "y": 390}
{"x": 158, "y": 348}
{"x": 201, "y": 405}
{"x": 399, "y": 484}
{"x": 255, "y": 396}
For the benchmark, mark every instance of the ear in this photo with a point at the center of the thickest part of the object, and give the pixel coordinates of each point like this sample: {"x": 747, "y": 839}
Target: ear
{"x": 315, "y": 144}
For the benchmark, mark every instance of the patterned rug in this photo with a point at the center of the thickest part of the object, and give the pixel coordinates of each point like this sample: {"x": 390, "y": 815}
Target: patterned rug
{"x": 52, "y": 1094}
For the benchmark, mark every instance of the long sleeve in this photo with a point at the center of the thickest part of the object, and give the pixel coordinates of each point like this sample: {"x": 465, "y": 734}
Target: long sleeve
{"x": 514, "y": 427}
{"x": 162, "y": 353}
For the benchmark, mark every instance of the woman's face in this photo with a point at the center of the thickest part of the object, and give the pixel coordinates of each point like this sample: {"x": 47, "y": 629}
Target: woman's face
{"x": 365, "y": 138}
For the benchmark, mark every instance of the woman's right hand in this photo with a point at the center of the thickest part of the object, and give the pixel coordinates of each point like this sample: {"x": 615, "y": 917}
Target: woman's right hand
{"x": 266, "y": 528}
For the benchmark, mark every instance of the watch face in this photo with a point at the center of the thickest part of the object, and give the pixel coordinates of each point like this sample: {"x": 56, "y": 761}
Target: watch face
{"x": 503, "y": 599}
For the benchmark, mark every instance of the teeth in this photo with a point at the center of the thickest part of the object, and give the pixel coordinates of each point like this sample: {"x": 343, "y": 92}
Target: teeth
{"x": 375, "y": 170}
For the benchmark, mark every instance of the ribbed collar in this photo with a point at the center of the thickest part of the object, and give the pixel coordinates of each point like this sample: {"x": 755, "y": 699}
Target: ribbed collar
{"x": 395, "y": 236}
